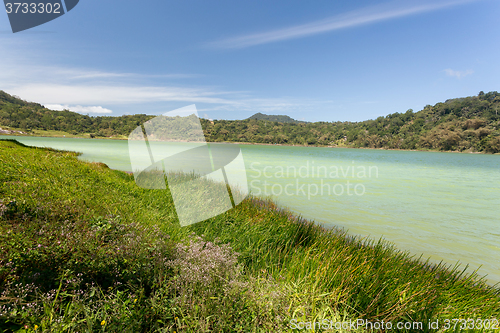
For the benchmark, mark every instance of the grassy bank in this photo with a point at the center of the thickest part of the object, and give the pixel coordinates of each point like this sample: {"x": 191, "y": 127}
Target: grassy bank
{"x": 82, "y": 248}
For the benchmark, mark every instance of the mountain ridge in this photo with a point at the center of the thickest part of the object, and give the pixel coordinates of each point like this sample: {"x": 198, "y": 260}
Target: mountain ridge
{"x": 278, "y": 118}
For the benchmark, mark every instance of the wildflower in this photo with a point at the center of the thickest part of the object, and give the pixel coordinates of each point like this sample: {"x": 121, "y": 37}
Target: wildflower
{"x": 103, "y": 322}
{"x": 36, "y": 327}
{"x": 135, "y": 300}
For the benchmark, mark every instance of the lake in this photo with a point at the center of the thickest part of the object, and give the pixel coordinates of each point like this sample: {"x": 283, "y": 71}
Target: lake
{"x": 443, "y": 205}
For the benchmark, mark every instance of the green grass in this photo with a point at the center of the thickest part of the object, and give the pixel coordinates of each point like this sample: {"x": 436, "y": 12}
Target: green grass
{"x": 83, "y": 249}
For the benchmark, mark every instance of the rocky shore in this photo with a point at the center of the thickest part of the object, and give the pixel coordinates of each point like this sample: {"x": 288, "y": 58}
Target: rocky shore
{"x": 6, "y": 131}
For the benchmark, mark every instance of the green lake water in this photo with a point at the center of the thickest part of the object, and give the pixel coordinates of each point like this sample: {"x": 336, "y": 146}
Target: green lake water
{"x": 445, "y": 206}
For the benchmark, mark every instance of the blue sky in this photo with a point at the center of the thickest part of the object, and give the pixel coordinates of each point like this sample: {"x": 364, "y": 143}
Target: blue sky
{"x": 315, "y": 61}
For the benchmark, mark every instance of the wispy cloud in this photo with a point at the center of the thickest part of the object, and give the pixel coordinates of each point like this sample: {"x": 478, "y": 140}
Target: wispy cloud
{"x": 458, "y": 74}
{"x": 98, "y": 97}
{"x": 91, "y": 90}
{"x": 78, "y": 108}
{"x": 96, "y": 91}
{"x": 351, "y": 19}
{"x": 113, "y": 94}
{"x": 82, "y": 74}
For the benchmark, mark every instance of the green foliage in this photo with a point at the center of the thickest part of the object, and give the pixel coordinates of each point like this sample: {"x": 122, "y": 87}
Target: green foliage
{"x": 461, "y": 124}
{"x": 274, "y": 118}
{"x": 16, "y": 113}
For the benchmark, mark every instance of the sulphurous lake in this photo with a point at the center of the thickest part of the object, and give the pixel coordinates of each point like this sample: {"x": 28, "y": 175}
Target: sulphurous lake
{"x": 445, "y": 206}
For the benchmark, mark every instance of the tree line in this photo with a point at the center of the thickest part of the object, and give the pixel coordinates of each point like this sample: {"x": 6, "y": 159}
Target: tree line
{"x": 459, "y": 124}
{"x": 17, "y": 113}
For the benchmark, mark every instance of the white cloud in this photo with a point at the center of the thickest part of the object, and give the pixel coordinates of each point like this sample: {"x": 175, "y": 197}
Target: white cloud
{"x": 83, "y": 74}
{"x": 98, "y": 91}
{"x": 351, "y": 19}
{"x": 113, "y": 94}
{"x": 458, "y": 74}
{"x": 78, "y": 97}
{"x": 78, "y": 108}
{"x": 48, "y": 84}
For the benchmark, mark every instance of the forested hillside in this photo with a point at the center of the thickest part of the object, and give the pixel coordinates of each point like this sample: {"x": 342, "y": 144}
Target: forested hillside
{"x": 460, "y": 124}
{"x": 19, "y": 114}
{"x": 278, "y": 118}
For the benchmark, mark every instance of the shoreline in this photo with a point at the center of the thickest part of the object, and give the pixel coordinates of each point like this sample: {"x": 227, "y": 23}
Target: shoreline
{"x": 347, "y": 147}
{"x": 261, "y": 144}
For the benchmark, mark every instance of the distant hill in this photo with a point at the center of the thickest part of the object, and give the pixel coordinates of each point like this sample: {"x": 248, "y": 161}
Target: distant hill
{"x": 19, "y": 114}
{"x": 469, "y": 124}
{"x": 278, "y": 118}
{"x": 459, "y": 124}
